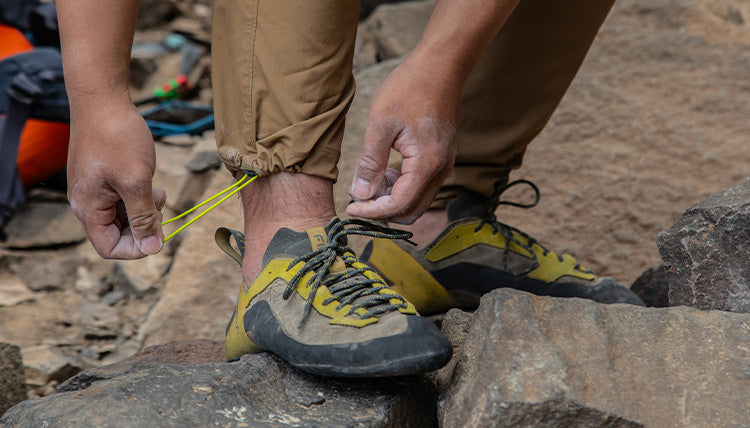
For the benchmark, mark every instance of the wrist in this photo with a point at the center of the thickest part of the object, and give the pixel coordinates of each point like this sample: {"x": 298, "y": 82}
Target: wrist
{"x": 97, "y": 103}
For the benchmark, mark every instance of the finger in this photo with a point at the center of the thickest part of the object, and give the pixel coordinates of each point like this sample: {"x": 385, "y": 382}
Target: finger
{"x": 386, "y": 186}
{"x": 143, "y": 218}
{"x": 160, "y": 198}
{"x": 408, "y": 200}
{"x": 373, "y": 160}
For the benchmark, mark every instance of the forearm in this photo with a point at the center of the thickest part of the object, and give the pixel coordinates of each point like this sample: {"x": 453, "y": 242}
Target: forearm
{"x": 457, "y": 34}
{"x": 96, "y": 37}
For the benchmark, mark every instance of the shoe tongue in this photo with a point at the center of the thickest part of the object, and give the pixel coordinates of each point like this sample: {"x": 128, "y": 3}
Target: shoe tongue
{"x": 291, "y": 243}
{"x": 467, "y": 204}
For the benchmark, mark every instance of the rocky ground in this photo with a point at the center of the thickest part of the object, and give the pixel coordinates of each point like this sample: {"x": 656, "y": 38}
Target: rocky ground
{"x": 655, "y": 122}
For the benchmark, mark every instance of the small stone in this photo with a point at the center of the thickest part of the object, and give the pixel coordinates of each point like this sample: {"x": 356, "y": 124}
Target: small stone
{"x": 653, "y": 287}
{"x": 88, "y": 284}
{"x": 47, "y": 271}
{"x": 43, "y": 224}
{"x": 204, "y": 161}
{"x": 141, "y": 70}
{"x": 113, "y": 297}
{"x": 13, "y": 291}
{"x": 139, "y": 276}
{"x": 12, "y": 383}
{"x": 99, "y": 315}
{"x": 43, "y": 365}
{"x": 182, "y": 140}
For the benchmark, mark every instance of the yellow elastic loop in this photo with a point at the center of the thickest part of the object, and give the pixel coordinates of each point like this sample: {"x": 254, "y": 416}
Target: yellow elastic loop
{"x": 239, "y": 185}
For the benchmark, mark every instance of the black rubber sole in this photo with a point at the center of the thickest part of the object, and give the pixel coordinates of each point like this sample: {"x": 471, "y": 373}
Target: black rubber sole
{"x": 419, "y": 349}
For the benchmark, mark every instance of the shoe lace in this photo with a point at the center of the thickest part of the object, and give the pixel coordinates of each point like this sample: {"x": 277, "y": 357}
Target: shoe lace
{"x": 348, "y": 285}
{"x": 510, "y": 233}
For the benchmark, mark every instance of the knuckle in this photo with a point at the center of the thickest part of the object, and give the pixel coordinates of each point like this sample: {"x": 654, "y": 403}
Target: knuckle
{"x": 144, "y": 221}
{"x": 369, "y": 163}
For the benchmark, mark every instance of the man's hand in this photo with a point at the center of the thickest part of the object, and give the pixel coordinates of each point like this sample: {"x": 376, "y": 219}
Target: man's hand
{"x": 111, "y": 163}
{"x": 413, "y": 112}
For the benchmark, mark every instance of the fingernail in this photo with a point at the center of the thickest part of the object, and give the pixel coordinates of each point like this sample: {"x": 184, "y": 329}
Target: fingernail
{"x": 150, "y": 245}
{"x": 361, "y": 188}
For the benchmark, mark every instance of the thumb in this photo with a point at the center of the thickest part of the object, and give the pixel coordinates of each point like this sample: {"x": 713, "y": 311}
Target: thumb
{"x": 145, "y": 220}
{"x": 373, "y": 161}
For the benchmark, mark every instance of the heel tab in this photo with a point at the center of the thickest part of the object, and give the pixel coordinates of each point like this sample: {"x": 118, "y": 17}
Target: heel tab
{"x": 224, "y": 237}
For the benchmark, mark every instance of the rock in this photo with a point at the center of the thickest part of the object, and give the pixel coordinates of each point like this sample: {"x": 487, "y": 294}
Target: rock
{"x": 160, "y": 389}
{"x": 88, "y": 284}
{"x": 653, "y": 287}
{"x": 397, "y": 28}
{"x": 43, "y": 365}
{"x": 707, "y": 253}
{"x": 171, "y": 173}
{"x": 204, "y": 161}
{"x": 140, "y": 70}
{"x": 367, "y": 6}
{"x": 95, "y": 314}
{"x": 47, "y": 271}
{"x": 43, "y": 224}
{"x": 365, "y": 50}
{"x": 139, "y": 276}
{"x": 539, "y": 361}
{"x": 12, "y": 383}
{"x": 156, "y": 12}
{"x": 455, "y": 327}
{"x": 113, "y": 297}
{"x": 201, "y": 290}
{"x": 183, "y": 140}
{"x": 13, "y": 291}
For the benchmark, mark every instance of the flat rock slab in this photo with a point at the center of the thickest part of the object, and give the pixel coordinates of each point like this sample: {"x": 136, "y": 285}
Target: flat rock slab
{"x": 43, "y": 224}
{"x": 707, "y": 253}
{"x": 531, "y": 361}
{"x": 259, "y": 391}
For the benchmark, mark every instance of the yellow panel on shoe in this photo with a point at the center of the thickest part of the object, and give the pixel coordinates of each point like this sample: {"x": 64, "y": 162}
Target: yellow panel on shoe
{"x": 277, "y": 269}
{"x": 552, "y": 269}
{"x": 464, "y": 236}
{"x": 409, "y": 278}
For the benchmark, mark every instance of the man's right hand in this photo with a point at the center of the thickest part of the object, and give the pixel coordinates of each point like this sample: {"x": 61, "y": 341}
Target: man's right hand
{"x": 111, "y": 163}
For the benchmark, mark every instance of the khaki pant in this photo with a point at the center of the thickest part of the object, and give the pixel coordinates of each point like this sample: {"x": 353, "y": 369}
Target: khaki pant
{"x": 282, "y": 79}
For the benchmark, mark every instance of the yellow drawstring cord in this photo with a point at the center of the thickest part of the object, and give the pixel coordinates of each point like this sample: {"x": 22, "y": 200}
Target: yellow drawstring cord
{"x": 241, "y": 183}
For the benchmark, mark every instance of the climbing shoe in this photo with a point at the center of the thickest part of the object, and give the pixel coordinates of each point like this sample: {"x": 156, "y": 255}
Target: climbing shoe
{"x": 323, "y": 311}
{"x": 476, "y": 254}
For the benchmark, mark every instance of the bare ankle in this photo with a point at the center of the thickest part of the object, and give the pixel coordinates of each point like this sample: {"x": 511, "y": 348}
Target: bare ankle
{"x": 427, "y": 227}
{"x": 296, "y": 201}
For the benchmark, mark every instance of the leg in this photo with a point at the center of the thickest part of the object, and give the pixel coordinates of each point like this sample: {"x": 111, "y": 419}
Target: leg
{"x": 512, "y": 93}
{"x": 506, "y": 102}
{"x": 283, "y": 83}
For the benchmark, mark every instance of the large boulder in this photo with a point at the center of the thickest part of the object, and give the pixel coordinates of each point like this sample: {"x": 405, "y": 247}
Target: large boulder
{"x": 530, "y": 361}
{"x": 169, "y": 387}
{"x": 707, "y": 253}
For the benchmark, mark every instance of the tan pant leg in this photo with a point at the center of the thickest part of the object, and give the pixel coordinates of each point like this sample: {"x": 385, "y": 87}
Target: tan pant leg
{"x": 282, "y": 79}
{"x": 516, "y": 87}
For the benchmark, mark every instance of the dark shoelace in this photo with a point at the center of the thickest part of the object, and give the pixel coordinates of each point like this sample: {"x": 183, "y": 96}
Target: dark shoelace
{"x": 346, "y": 292}
{"x": 509, "y": 232}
